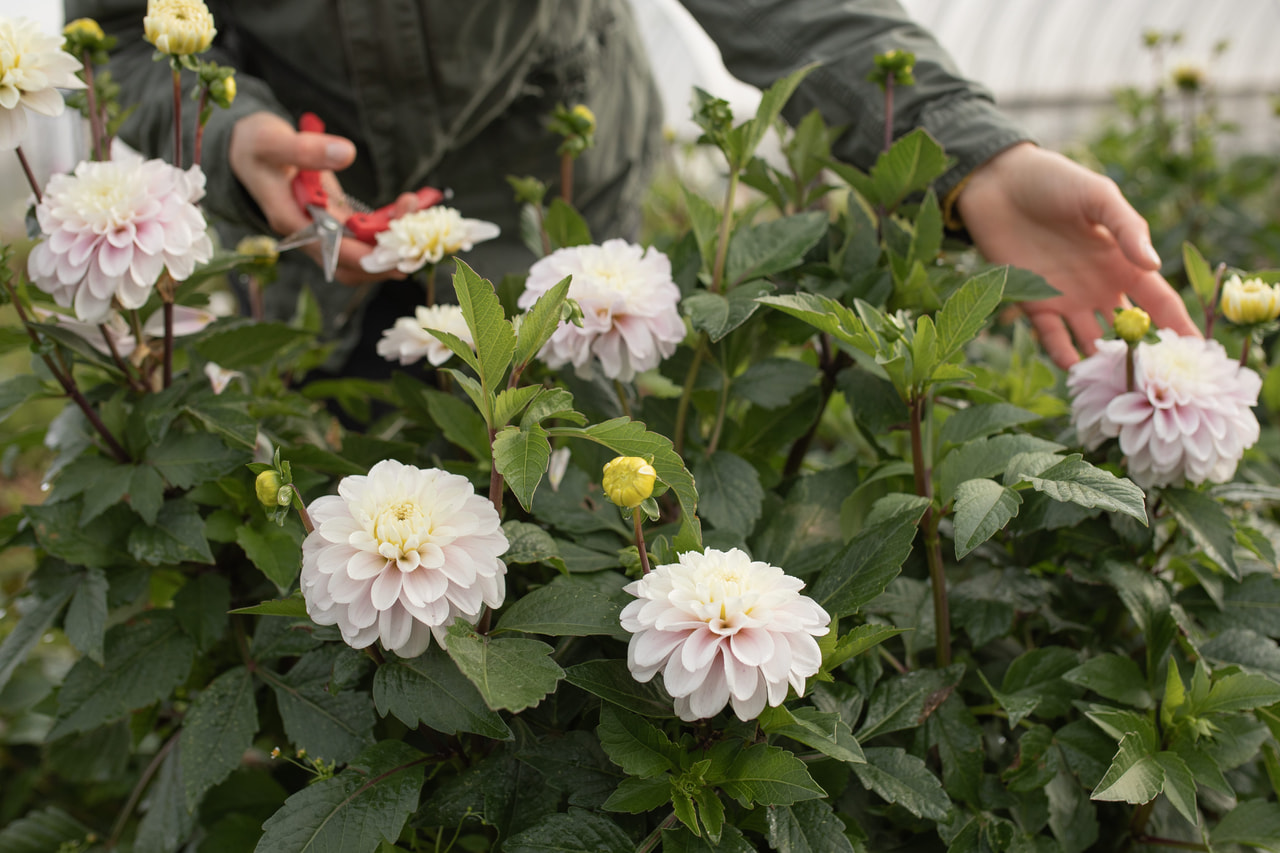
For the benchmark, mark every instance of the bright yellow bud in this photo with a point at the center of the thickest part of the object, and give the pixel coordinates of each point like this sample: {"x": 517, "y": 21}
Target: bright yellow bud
{"x": 260, "y": 247}
{"x": 628, "y": 480}
{"x": 1132, "y": 324}
{"x": 1250, "y": 301}
{"x": 586, "y": 119}
{"x": 86, "y": 29}
{"x": 267, "y": 487}
{"x": 179, "y": 27}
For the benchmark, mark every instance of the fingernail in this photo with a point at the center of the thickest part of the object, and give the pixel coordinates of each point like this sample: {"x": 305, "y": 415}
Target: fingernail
{"x": 1150, "y": 252}
{"x": 337, "y": 153}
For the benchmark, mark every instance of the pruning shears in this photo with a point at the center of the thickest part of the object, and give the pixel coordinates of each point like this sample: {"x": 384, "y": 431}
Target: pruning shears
{"x": 325, "y": 228}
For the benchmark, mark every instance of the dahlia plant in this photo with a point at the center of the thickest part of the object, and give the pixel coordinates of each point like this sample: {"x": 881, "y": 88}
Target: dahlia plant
{"x": 775, "y": 535}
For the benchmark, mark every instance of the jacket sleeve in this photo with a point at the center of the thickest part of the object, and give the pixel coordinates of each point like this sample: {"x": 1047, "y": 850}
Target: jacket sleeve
{"x": 147, "y": 85}
{"x": 763, "y": 40}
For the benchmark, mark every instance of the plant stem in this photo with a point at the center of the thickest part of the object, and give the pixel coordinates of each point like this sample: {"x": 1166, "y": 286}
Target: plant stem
{"x": 621, "y": 391}
{"x": 307, "y": 523}
{"x": 1244, "y": 350}
{"x": 640, "y": 546}
{"x": 830, "y": 364}
{"x": 200, "y": 123}
{"x": 1169, "y": 842}
{"x": 929, "y": 526}
{"x": 654, "y": 838}
{"x": 134, "y": 383}
{"x": 1128, "y": 366}
{"x": 177, "y": 118}
{"x": 686, "y": 395}
{"x": 495, "y": 479}
{"x": 168, "y": 343}
{"x": 725, "y": 385}
{"x": 888, "y": 112}
{"x": 31, "y": 176}
{"x": 91, "y": 99}
{"x": 1211, "y": 309}
{"x": 726, "y": 226}
{"x": 431, "y": 285}
{"x": 566, "y": 177}
{"x": 136, "y": 793}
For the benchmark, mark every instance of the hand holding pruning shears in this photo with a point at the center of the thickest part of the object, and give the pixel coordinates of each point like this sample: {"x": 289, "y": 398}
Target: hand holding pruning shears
{"x": 276, "y": 163}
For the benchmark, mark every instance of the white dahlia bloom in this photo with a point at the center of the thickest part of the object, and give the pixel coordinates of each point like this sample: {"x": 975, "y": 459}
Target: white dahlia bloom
{"x": 112, "y": 227}
{"x": 33, "y": 66}
{"x": 723, "y": 628}
{"x": 178, "y": 27}
{"x": 1189, "y": 415}
{"x": 1250, "y": 301}
{"x": 629, "y": 318}
{"x": 409, "y": 341}
{"x": 399, "y": 554}
{"x": 426, "y": 237}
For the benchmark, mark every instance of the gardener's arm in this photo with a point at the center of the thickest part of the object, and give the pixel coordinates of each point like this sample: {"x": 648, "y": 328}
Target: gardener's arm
{"x": 1021, "y": 205}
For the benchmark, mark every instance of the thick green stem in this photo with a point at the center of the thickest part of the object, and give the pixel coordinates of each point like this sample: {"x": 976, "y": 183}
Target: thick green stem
{"x": 888, "y": 111}
{"x": 686, "y": 395}
{"x": 929, "y": 526}
{"x": 726, "y": 226}
{"x": 1244, "y": 350}
{"x": 640, "y": 546}
{"x": 621, "y": 391}
{"x": 725, "y": 385}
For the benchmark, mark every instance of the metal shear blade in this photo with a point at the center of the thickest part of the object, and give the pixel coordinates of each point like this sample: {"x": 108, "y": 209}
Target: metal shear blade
{"x": 324, "y": 229}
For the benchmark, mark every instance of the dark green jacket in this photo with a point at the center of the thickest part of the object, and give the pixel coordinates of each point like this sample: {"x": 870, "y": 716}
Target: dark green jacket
{"x": 455, "y": 93}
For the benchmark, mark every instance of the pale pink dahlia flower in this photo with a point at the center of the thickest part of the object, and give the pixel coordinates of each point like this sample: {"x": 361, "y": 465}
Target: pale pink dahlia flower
{"x": 409, "y": 341}
{"x": 398, "y": 554}
{"x": 33, "y": 66}
{"x": 426, "y": 237}
{"x": 629, "y": 318}
{"x": 1189, "y": 415}
{"x": 723, "y": 628}
{"x": 112, "y": 227}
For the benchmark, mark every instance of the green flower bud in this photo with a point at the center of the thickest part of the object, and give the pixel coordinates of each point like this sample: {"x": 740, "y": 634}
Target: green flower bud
{"x": 1132, "y": 324}
{"x": 268, "y": 487}
{"x": 628, "y": 480}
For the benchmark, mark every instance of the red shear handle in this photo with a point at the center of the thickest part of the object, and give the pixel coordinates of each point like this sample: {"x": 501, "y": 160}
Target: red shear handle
{"x": 310, "y": 123}
{"x": 307, "y": 190}
{"x": 365, "y": 227}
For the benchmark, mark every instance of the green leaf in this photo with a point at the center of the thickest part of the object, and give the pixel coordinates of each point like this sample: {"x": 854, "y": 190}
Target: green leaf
{"x": 637, "y": 796}
{"x": 99, "y": 544}
{"x": 1198, "y": 272}
{"x": 906, "y": 701}
{"x": 429, "y": 689}
{"x": 1119, "y": 722}
{"x": 773, "y": 382}
{"x": 459, "y": 422}
{"x": 982, "y": 509}
{"x": 177, "y": 537}
{"x": 231, "y": 420}
{"x": 87, "y": 616}
{"x": 636, "y": 745}
{"x": 719, "y": 315}
{"x": 747, "y": 137}
{"x": 966, "y": 311}
{"x": 511, "y": 673}
{"x": 772, "y": 247}
{"x": 167, "y": 822}
{"x": 186, "y": 461}
{"x": 681, "y": 840}
{"x": 146, "y": 493}
{"x": 462, "y": 350}
{"x": 326, "y": 722}
{"x": 551, "y": 403}
{"x": 200, "y": 608}
{"x": 768, "y": 776}
{"x": 294, "y": 607}
{"x": 1179, "y": 785}
{"x": 30, "y": 628}
{"x": 806, "y": 827}
{"x": 45, "y": 831}
{"x": 565, "y": 226}
{"x": 856, "y": 641}
{"x": 567, "y": 607}
{"x": 146, "y": 658}
{"x": 904, "y": 780}
{"x": 250, "y": 345}
{"x": 273, "y": 550}
{"x": 1238, "y": 692}
{"x": 630, "y": 438}
{"x": 1134, "y": 775}
{"x": 823, "y": 731}
{"x": 871, "y": 559}
{"x": 1255, "y": 823}
{"x": 529, "y": 543}
{"x": 579, "y": 831}
{"x": 1075, "y": 481}
{"x": 521, "y": 456}
{"x": 1037, "y": 674}
{"x": 511, "y": 402}
{"x": 985, "y": 457}
{"x": 955, "y": 733}
{"x": 217, "y": 730}
{"x": 1115, "y": 677}
{"x": 1073, "y": 819}
{"x": 826, "y": 315}
{"x": 1205, "y": 521}
{"x": 924, "y": 350}
{"x": 612, "y": 681}
{"x": 540, "y": 322}
{"x": 490, "y": 329}
{"x": 732, "y": 498}
{"x": 704, "y": 219}
{"x": 909, "y": 166}
{"x": 981, "y": 420}
{"x": 354, "y": 811}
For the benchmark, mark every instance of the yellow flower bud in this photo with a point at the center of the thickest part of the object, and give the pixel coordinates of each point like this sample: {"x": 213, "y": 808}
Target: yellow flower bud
{"x": 586, "y": 119}
{"x": 85, "y": 29}
{"x": 267, "y": 487}
{"x": 1132, "y": 324}
{"x": 260, "y": 247}
{"x": 628, "y": 480}
{"x": 1250, "y": 301}
{"x": 1188, "y": 78}
{"x": 179, "y": 27}
{"x": 223, "y": 92}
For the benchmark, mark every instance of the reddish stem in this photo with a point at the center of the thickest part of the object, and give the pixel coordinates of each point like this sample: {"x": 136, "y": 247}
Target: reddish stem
{"x": 640, "y": 546}
{"x": 31, "y": 176}
{"x": 566, "y": 177}
{"x": 91, "y": 99}
{"x": 888, "y": 112}
{"x": 200, "y": 123}
{"x": 177, "y": 118}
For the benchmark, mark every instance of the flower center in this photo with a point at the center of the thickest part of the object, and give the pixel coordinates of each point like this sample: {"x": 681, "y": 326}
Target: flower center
{"x": 401, "y": 525}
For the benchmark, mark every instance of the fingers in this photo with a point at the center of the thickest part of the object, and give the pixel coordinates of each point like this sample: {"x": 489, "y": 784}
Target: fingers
{"x": 282, "y": 146}
{"x": 1158, "y": 298}
{"x": 1054, "y": 338}
{"x": 1105, "y": 205}
{"x": 405, "y": 203}
{"x": 1085, "y": 329}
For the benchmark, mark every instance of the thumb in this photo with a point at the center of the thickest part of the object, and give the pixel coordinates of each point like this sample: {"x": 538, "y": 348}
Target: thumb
{"x": 284, "y": 146}
{"x": 1105, "y": 205}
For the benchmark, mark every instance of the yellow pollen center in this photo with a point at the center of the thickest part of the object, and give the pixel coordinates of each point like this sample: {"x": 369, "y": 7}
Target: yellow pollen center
{"x": 400, "y": 522}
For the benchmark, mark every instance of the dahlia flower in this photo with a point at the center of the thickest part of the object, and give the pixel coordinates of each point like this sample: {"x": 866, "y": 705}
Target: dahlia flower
{"x": 1250, "y": 301}
{"x": 33, "y": 66}
{"x": 723, "y": 628}
{"x": 1188, "y": 417}
{"x": 425, "y": 237}
{"x": 629, "y": 317}
{"x": 398, "y": 554}
{"x": 178, "y": 27}
{"x": 112, "y": 227}
{"x": 408, "y": 340}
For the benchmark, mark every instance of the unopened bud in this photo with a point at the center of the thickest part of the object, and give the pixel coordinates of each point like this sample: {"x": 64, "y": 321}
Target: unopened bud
{"x": 1250, "y": 301}
{"x": 85, "y": 30}
{"x": 628, "y": 480}
{"x": 1132, "y": 324}
{"x": 284, "y": 497}
{"x": 223, "y": 91}
{"x": 268, "y": 487}
{"x": 584, "y": 119}
{"x": 259, "y": 247}
{"x": 1188, "y": 78}
{"x": 179, "y": 27}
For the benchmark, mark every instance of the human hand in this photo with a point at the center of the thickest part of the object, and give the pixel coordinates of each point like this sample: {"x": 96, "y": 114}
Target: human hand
{"x": 266, "y": 152}
{"x": 1038, "y": 210}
